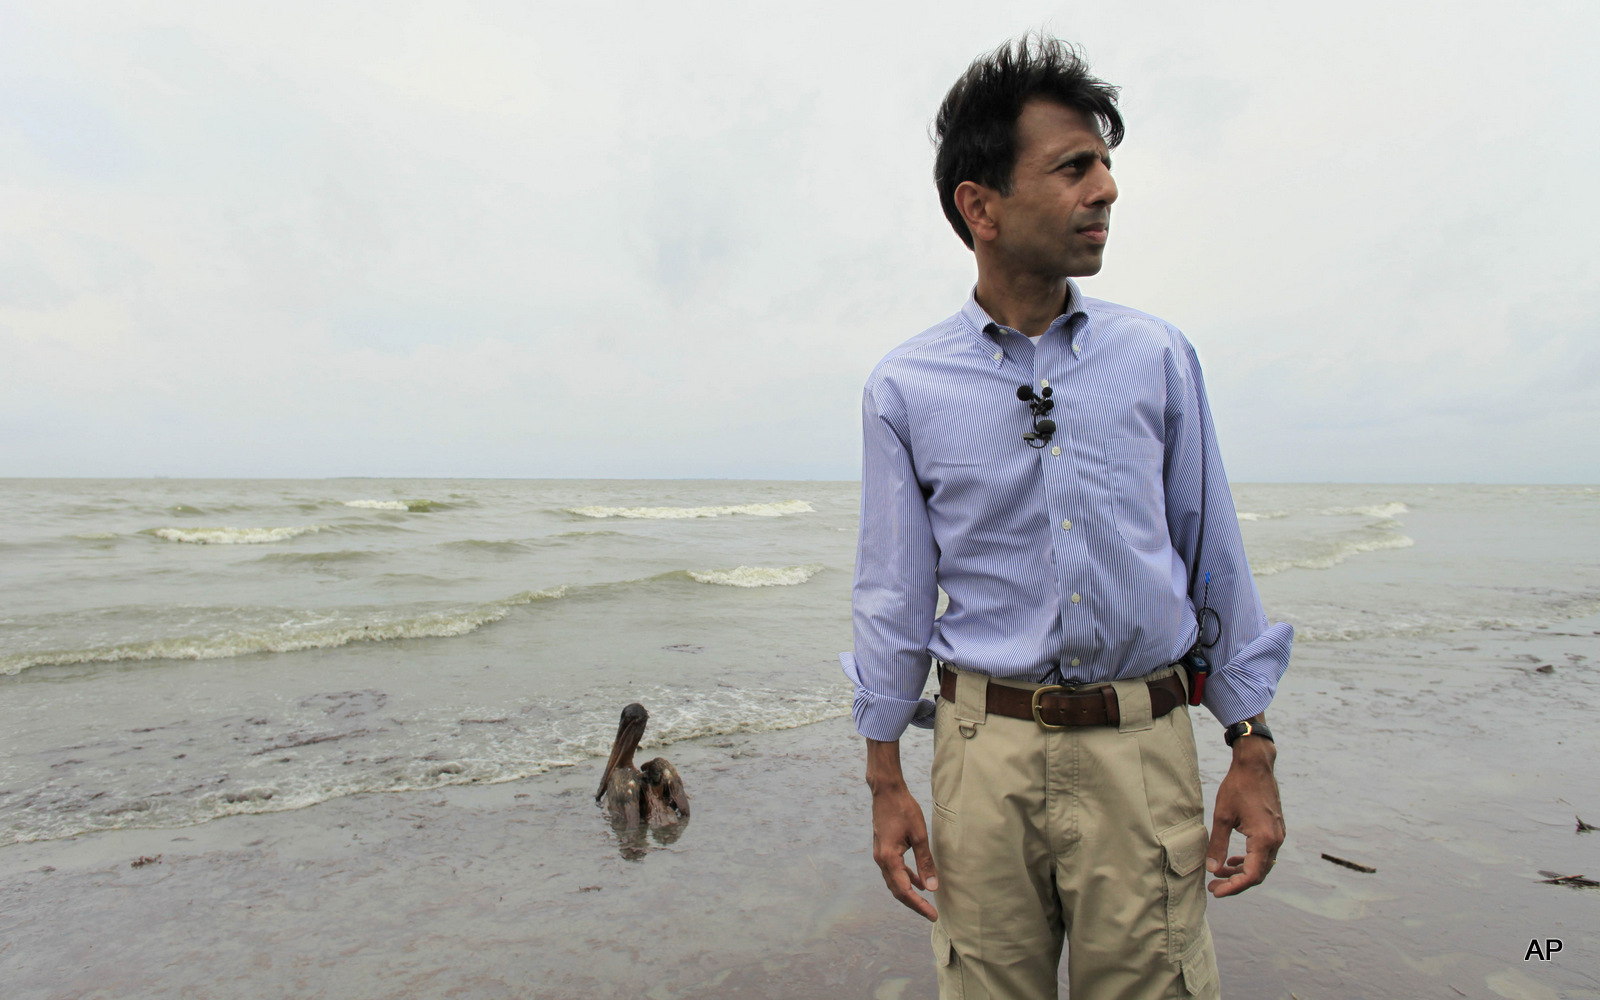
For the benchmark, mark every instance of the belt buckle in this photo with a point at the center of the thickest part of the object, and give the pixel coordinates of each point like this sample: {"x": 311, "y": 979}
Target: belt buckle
{"x": 1037, "y": 692}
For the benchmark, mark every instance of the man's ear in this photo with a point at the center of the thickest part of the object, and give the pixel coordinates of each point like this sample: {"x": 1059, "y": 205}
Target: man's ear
{"x": 977, "y": 204}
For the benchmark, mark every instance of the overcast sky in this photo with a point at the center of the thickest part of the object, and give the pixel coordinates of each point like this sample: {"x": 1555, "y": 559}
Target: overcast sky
{"x": 671, "y": 239}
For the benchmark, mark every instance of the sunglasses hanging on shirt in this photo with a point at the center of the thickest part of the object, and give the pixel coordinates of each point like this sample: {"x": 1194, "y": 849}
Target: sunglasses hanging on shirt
{"x": 1040, "y": 405}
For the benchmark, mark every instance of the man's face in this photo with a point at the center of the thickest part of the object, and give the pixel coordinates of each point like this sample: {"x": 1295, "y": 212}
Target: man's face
{"x": 1058, "y": 215}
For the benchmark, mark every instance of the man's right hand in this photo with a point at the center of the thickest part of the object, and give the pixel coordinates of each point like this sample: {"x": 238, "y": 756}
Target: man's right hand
{"x": 898, "y": 826}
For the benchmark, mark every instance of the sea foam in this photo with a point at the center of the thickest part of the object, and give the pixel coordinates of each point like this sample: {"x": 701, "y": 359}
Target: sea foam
{"x": 234, "y": 536}
{"x": 757, "y": 576}
{"x": 780, "y": 509}
{"x": 1271, "y": 515}
{"x": 1381, "y": 511}
{"x": 1335, "y": 553}
{"x": 420, "y": 506}
{"x": 288, "y": 638}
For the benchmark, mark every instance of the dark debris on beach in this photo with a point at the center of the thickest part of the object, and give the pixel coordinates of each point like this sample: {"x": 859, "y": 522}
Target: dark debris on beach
{"x": 1578, "y": 881}
{"x": 1353, "y": 866}
{"x": 1585, "y": 827}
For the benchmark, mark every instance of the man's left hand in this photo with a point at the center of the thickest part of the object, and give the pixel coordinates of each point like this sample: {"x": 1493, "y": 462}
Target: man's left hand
{"x": 1247, "y": 801}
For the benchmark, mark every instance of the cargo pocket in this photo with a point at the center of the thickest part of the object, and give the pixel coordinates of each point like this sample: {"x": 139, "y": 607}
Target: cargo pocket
{"x": 946, "y": 965}
{"x": 1185, "y": 848}
{"x": 1138, "y": 492}
{"x": 1200, "y": 968}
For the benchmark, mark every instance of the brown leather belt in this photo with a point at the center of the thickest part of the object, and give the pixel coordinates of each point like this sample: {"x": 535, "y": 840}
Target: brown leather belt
{"x": 1054, "y": 710}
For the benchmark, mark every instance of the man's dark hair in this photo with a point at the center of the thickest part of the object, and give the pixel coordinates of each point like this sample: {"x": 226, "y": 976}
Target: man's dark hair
{"x": 976, "y": 130}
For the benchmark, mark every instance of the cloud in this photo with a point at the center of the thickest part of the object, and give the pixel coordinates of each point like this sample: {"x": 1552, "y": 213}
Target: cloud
{"x": 498, "y": 240}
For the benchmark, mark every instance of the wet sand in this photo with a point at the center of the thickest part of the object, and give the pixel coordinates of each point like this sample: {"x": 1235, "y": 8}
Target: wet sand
{"x": 1449, "y": 763}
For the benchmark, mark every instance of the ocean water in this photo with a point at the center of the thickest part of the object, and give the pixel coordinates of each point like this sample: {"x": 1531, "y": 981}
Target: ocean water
{"x": 175, "y": 651}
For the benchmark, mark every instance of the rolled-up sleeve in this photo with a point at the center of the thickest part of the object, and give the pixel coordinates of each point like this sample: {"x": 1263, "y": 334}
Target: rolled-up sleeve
{"x": 1250, "y": 654}
{"x": 896, "y": 587}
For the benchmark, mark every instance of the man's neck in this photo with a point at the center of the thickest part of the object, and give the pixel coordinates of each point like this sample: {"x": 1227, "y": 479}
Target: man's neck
{"x": 1028, "y": 303}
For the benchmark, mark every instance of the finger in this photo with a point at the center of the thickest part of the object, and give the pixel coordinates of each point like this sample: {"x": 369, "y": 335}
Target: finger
{"x": 1256, "y": 856}
{"x": 1217, "y": 850}
{"x": 901, "y": 887}
{"x": 927, "y": 876}
{"x": 1252, "y": 872}
{"x": 1227, "y": 886}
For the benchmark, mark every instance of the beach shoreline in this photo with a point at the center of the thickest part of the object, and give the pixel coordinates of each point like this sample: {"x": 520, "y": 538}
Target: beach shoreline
{"x": 1457, "y": 777}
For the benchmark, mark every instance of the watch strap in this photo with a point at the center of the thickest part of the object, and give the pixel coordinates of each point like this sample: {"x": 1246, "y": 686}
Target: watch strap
{"x": 1246, "y": 728}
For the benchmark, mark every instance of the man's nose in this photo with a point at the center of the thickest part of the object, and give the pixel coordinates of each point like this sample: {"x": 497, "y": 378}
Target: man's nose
{"x": 1104, "y": 192}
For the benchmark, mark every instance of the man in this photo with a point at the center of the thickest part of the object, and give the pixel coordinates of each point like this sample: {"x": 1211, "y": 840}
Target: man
{"x": 1049, "y": 462}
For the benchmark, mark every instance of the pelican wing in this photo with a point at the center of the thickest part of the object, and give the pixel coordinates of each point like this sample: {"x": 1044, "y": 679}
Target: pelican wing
{"x": 623, "y": 795}
{"x": 670, "y": 785}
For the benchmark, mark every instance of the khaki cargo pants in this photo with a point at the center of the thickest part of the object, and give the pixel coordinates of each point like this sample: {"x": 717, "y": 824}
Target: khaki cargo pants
{"x": 1092, "y": 835}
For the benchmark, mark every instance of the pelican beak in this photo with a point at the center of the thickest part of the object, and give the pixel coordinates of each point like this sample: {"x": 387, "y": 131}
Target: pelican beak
{"x": 629, "y": 733}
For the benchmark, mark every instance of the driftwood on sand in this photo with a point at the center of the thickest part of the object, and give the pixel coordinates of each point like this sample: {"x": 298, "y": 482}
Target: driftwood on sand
{"x": 1555, "y": 878}
{"x": 1353, "y": 866}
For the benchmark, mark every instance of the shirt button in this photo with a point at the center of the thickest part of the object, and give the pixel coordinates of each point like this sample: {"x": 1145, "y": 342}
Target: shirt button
{"x": 998, "y": 355}
{"x": 1076, "y": 598}
{"x": 1044, "y": 383}
{"x": 1067, "y": 526}
{"x": 1074, "y": 661}
{"x": 1056, "y": 451}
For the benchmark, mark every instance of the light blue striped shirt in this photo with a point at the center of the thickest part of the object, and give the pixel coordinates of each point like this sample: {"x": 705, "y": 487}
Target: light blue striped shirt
{"x": 1073, "y": 557}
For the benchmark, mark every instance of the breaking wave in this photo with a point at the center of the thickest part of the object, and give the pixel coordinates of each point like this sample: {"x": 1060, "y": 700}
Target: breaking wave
{"x": 288, "y": 638}
{"x": 1381, "y": 533}
{"x": 347, "y": 628}
{"x": 757, "y": 576}
{"x": 1382, "y": 511}
{"x": 413, "y": 506}
{"x": 781, "y": 509}
{"x": 1335, "y": 553}
{"x": 234, "y": 536}
{"x": 1271, "y": 515}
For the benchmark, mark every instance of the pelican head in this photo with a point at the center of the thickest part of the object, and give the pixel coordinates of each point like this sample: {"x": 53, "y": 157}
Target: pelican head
{"x": 630, "y": 730}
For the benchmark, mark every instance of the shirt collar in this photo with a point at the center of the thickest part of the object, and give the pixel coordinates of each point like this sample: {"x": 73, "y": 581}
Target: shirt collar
{"x": 983, "y": 327}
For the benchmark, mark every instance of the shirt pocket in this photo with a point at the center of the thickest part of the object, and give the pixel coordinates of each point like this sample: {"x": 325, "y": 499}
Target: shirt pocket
{"x": 1138, "y": 494}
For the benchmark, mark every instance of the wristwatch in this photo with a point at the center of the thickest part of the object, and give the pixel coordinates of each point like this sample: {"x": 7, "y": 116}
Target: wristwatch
{"x": 1246, "y": 728}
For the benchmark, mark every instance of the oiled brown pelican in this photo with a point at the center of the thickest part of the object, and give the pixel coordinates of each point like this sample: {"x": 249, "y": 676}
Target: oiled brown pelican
{"x": 653, "y": 794}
